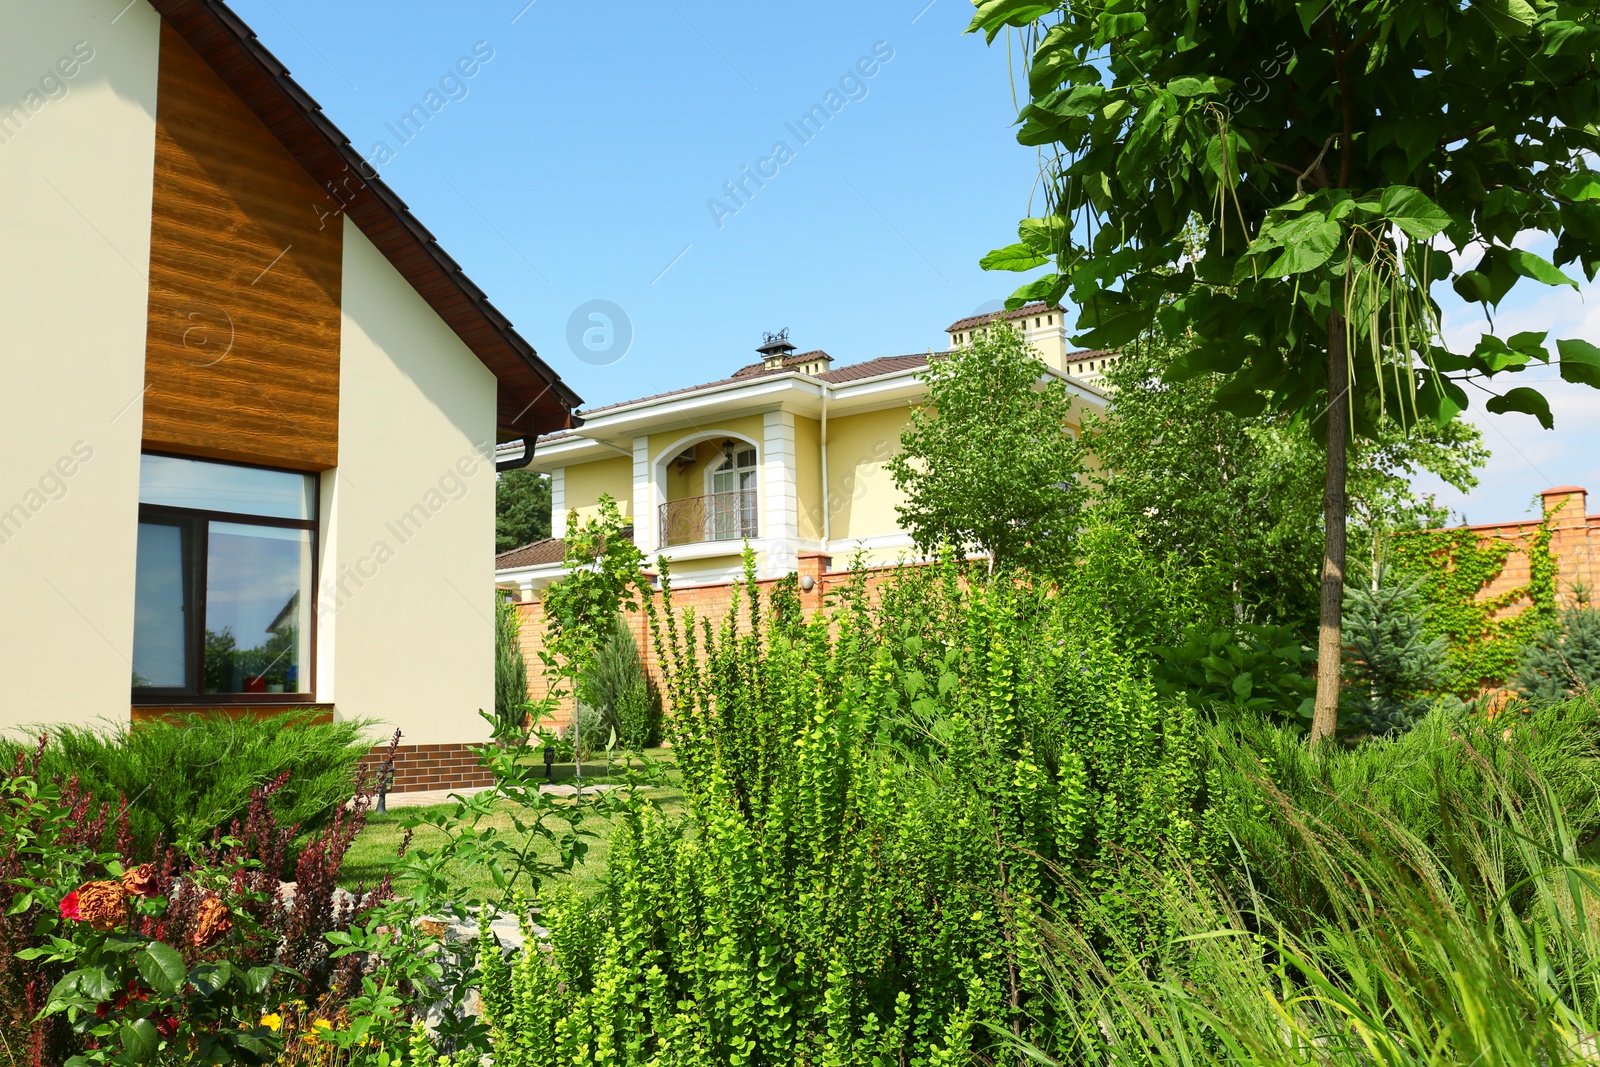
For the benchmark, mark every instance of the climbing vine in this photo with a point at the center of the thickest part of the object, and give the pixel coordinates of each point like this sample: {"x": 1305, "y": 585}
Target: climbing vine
{"x": 1486, "y": 633}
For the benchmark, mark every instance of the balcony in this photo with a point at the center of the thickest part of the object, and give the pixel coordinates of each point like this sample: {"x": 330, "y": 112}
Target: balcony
{"x": 714, "y": 517}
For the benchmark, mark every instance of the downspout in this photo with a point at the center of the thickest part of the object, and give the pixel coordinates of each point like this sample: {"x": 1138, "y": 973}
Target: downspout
{"x": 528, "y": 443}
{"x": 827, "y": 509}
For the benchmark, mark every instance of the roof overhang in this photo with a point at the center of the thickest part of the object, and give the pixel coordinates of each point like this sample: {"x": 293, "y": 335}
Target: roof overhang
{"x": 609, "y": 434}
{"x": 532, "y": 397}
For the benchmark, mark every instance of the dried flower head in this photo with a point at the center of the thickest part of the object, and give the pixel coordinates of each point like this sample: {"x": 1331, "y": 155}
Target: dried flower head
{"x": 211, "y": 922}
{"x": 141, "y": 880}
{"x": 103, "y": 905}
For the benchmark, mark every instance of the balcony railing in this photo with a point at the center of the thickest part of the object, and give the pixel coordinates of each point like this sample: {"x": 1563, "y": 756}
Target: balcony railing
{"x": 714, "y": 517}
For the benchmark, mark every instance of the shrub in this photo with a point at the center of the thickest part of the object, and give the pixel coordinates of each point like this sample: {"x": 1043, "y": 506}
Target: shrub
{"x": 1263, "y": 670}
{"x": 113, "y": 955}
{"x": 878, "y": 801}
{"x": 185, "y": 777}
{"x": 511, "y": 702}
{"x": 618, "y": 687}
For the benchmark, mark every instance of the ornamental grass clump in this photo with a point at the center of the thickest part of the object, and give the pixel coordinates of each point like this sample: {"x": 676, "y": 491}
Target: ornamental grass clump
{"x": 880, "y": 800}
{"x": 1479, "y": 947}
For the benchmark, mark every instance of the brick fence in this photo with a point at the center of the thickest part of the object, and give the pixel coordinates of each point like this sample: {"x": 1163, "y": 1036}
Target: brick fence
{"x": 709, "y": 602}
{"x": 1574, "y": 542}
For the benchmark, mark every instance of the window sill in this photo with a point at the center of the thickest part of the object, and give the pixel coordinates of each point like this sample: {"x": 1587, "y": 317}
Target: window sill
{"x": 238, "y": 709}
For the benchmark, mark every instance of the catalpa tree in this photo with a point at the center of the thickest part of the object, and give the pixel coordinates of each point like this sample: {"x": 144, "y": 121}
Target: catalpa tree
{"x": 1285, "y": 184}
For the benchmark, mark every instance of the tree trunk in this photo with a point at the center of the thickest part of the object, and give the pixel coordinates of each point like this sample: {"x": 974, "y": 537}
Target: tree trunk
{"x": 1330, "y": 643}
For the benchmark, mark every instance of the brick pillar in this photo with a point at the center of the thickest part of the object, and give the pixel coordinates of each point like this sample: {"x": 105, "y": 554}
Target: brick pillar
{"x": 1566, "y": 509}
{"x": 812, "y": 565}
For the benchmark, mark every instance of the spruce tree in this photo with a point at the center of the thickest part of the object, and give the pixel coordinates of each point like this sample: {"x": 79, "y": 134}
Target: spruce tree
{"x": 1566, "y": 660}
{"x": 1390, "y": 667}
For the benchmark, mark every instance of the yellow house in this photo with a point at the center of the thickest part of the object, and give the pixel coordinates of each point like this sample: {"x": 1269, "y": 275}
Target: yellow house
{"x": 788, "y": 453}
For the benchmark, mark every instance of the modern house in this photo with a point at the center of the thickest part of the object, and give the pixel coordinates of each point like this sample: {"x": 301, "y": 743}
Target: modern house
{"x": 787, "y": 452}
{"x": 248, "y": 453}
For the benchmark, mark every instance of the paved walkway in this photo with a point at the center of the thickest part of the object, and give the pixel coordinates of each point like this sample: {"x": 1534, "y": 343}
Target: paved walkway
{"x": 425, "y": 798}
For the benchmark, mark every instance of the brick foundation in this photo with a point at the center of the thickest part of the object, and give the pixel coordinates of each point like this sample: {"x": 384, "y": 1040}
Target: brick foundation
{"x": 417, "y": 767}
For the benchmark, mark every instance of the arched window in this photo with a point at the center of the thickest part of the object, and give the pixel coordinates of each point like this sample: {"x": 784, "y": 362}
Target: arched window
{"x": 732, "y": 490}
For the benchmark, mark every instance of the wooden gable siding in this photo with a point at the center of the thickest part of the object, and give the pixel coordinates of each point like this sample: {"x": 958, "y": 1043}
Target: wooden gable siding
{"x": 242, "y": 352}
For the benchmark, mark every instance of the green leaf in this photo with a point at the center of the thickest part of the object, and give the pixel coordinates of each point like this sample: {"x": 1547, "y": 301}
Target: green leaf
{"x": 1017, "y": 257}
{"x": 1537, "y": 267}
{"x": 1580, "y": 362}
{"x": 1308, "y": 251}
{"x": 1525, "y": 400}
{"x": 1189, "y": 86}
{"x": 995, "y": 15}
{"x": 1413, "y": 212}
{"x": 139, "y": 1040}
{"x": 1440, "y": 399}
{"x": 161, "y": 967}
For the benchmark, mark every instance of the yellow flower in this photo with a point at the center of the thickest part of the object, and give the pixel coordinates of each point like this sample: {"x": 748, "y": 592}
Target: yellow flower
{"x": 324, "y": 1025}
{"x": 272, "y": 1021}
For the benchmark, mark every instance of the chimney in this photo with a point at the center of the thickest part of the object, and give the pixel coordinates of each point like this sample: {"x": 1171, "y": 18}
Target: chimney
{"x": 775, "y": 348}
{"x": 1565, "y": 509}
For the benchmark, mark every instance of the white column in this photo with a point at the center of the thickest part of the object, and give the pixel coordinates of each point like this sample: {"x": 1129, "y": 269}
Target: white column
{"x": 645, "y": 520}
{"x": 780, "y": 514}
{"x": 558, "y": 502}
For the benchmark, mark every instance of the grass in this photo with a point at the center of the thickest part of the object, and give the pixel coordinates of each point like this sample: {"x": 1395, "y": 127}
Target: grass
{"x": 374, "y": 852}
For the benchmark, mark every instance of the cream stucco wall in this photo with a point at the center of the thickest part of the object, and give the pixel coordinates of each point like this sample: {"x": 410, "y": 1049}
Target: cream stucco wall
{"x": 861, "y": 495}
{"x": 586, "y": 482}
{"x": 77, "y": 156}
{"x": 406, "y": 591}
{"x": 808, "y": 476}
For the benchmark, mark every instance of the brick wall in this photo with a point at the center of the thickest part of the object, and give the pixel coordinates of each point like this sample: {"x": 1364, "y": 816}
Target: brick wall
{"x": 708, "y": 602}
{"x": 417, "y": 767}
{"x": 1574, "y": 541}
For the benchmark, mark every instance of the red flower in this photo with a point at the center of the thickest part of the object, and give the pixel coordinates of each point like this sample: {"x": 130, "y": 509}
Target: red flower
{"x": 166, "y": 1025}
{"x": 69, "y": 907}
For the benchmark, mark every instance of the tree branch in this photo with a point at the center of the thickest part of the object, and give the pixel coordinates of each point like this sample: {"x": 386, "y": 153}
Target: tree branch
{"x": 1316, "y": 164}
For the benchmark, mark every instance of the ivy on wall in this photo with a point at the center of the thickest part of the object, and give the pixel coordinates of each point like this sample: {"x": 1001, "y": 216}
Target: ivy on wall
{"x": 1454, "y": 567}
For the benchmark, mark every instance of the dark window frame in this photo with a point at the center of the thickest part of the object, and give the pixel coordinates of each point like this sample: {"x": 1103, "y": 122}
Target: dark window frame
{"x": 199, "y": 520}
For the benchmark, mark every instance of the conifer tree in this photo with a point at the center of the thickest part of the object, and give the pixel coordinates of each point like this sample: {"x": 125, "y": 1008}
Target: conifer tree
{"x": 1390, "y": 666}
{"x": 1566, "y": 661}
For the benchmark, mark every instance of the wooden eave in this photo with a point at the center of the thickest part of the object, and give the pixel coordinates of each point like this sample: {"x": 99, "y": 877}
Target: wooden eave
{"x": 532, "y": 397}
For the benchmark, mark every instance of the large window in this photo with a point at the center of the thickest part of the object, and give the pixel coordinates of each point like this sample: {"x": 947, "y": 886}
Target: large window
{"x": 223, "y": 600}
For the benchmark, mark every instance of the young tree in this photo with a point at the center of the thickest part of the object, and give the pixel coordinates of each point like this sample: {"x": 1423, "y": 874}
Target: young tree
{"x": 521, "y": 509}
{"x": 987, "y": 463}
{"x": 1333, "y": 152}
{"x": 1239, "y": 495}
{"x": 1391, "y": 668}
{"x": 1566, "y": 660}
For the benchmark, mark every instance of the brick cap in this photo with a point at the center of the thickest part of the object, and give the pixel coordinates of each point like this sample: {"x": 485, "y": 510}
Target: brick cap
{"x": 1561, "y": 490}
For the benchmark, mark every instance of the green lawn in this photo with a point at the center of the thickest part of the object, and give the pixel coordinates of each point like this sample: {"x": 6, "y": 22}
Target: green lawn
{"x": 374, "y": 852}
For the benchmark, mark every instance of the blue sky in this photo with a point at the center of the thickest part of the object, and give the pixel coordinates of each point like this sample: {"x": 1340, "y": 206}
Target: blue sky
{"x": 577, "y": 164}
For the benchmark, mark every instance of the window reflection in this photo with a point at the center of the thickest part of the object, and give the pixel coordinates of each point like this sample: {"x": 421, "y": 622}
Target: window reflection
{"x": 255, "y": 639}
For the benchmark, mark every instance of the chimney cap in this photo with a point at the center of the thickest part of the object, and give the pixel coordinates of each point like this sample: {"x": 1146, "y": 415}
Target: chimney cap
{"x": 775, "y": 348}
{"x": 1564, "y": 490}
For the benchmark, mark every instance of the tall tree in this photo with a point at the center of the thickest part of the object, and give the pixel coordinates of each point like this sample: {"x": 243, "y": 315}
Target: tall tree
{"x": 1333, "y": 152}
{"x": 521, "y": 509}
{"x": 986, "y": 463}
{"x": 1238, "y": 495}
